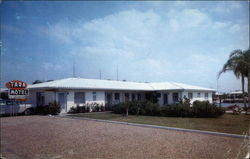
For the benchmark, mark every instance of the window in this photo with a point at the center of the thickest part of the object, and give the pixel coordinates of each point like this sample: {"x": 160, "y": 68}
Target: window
{"x": 40, "y": 99}
{"x": 190, "y": 95}
{"x": 198, "y": 95}
{"x": 138, "y": 96}
{"x": 158, "y": 95}
{"x": 206, "y": 95}
{"x": 79, "y": 97}
{"x": 94, "y": 96}
{"x": 133, "y": 97}
{"x": 175, "y": 97}
{"x": 117, "y": 96}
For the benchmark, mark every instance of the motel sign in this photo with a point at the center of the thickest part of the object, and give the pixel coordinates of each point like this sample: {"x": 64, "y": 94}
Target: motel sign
{"x": 17, "y": 89}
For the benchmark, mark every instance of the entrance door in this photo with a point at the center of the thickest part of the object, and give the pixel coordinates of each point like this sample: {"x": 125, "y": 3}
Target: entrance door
{"x": 40, "y": 99}
{"x": 63, "y": 102}
{"x": 108, "y": 98}
{"x": 126, "y": 97}
{"x": 165, "y": 98}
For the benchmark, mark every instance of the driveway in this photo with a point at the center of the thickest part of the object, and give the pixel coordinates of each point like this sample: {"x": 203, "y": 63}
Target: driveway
{"x": 52, "y": 137}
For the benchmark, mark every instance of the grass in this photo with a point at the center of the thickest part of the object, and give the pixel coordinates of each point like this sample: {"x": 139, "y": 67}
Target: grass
{"x": 227, "y": 123}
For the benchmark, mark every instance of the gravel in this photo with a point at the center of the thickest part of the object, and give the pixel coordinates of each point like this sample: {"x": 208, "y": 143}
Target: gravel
{"x": 50, "y": 137}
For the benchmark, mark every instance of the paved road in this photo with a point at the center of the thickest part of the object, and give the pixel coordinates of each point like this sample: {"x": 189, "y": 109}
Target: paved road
{"x": 50, "y": 137}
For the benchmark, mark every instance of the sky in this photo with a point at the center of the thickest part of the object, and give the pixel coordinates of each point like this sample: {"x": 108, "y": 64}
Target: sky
{"x": 151, "y": 41}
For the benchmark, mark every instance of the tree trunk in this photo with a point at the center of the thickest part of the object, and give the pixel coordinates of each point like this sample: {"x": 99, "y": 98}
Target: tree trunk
{"x": 243, "y": 91}
{"x": 127, "y": 111}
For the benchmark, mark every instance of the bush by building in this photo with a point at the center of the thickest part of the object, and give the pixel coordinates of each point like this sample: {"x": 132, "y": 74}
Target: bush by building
{"x": 92, "y": 107}
{"x": 52, "y": 108}
{"x": 205, "y": 109}
{"x": 137, "y": 108}
{"x": 181, "y": 109}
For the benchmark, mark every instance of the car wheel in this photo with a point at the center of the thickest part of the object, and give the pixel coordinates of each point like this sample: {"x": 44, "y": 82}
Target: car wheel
{"x": 27, "y": 112}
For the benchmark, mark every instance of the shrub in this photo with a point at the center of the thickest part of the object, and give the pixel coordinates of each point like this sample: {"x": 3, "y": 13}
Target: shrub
{"x": 102, "y": 108}
{"x": 177, "y": 110}
{"x": 53, "y": 108}
{"x": 150, "y": 109}
{"x": 137, "y": 108}
{"x": 181, "y": 109}
{"x": 205, "y": 109}
{"x": 72, "y": 110}
{"x": 41, "y": 109}
{"x": 94, "y": 107}
{"x": 199, "y": 109}
{"x": 119, "y": 108}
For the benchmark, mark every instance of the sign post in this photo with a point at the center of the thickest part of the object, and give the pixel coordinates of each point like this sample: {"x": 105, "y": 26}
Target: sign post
{"x": 17, "y": 91}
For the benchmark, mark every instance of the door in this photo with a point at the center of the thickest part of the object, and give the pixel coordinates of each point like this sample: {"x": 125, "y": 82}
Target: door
{"x": 40, "y": 99}
{"x": 126, "y": 97}
{"x": 63, "y": 102}
{"x": 108, "y": 98}
{"x": 165, "y": 99}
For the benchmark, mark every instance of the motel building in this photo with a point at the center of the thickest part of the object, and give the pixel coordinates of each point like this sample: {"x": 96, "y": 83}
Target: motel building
{"x": 71, "y": 92}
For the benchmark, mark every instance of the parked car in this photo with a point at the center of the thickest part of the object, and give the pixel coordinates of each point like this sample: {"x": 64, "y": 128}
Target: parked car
{"x": 10, "y": 107}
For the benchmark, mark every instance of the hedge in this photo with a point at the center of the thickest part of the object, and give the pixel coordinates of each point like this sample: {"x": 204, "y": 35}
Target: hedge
{"x": 52, "y": 108}
{"x": 94, "y": 107}
{"x": 181, "y": 109}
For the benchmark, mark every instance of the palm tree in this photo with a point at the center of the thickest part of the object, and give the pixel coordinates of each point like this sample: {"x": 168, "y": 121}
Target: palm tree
{"x": 246, "y": 60}
{"x": 238, "y": 63}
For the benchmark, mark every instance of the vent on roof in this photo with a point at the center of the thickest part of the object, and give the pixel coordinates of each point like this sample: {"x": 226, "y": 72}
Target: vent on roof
{"x": 124, "y": 80}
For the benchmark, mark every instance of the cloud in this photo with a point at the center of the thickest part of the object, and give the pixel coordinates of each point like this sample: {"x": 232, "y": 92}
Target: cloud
{"x": 182, "y": 20}
{"x": 235, "y": 28}
{"x": 11, "y": 29}
{"x": 227, "y": 7}
{"x": 146, "y": 44}
{"x": 51, "y": 66}
{"x": 131, "y": 33}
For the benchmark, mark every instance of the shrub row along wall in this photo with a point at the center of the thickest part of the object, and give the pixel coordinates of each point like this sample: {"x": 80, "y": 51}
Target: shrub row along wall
{"x": 182, "y": 109}
{"x": 53, "y": 108}
{"x": 93, "y": 107}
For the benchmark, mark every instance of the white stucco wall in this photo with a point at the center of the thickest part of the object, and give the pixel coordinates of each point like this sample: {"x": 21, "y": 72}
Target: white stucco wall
{"x": 31, "y": 98}
{"x": 49, "y": 97}
{"x": 182, "y": 94}
{"x": 195, "y": 96}
{"x": 170, "y": 97}
{"x": 70, "y": 100}
{"x": 100, "y": 97}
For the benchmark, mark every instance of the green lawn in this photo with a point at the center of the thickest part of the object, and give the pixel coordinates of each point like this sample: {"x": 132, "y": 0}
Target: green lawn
{"x": 227, "y": 123}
